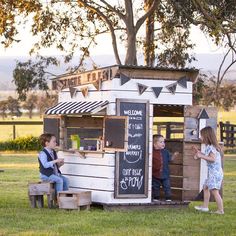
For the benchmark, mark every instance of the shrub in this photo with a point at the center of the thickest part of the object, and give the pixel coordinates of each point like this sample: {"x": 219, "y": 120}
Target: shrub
{"x": 29, "y": 143}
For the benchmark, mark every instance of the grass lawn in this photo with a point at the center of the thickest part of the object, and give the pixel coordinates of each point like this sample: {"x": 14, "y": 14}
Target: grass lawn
{"x": 17, "y": 218}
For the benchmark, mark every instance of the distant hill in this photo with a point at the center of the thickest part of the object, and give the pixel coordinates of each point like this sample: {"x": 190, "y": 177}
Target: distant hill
{"x": 208, "y": 63}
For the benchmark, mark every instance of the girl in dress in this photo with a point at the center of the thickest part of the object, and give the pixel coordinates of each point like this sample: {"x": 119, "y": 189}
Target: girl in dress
{"x": 215, "y": 173}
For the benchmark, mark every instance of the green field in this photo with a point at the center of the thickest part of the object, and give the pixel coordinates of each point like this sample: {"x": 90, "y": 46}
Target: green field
{"x": 17, "y": 218}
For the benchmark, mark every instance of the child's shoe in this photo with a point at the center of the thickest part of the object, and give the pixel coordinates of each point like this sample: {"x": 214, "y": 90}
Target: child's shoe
{"x": 201, "y": 208}
{"x": 218, "y": 212}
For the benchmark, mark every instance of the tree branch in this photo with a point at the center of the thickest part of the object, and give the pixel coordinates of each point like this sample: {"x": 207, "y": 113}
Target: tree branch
{"x": 199, "y": 6}
{"x": 146, "y": 15}
{"x": 109, "y": 24}
{"x": 122, "y": 16}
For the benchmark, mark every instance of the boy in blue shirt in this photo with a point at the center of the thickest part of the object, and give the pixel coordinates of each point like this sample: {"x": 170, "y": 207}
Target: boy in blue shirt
{"x": 160, "y": 168}
{"x": 49, "y": 163}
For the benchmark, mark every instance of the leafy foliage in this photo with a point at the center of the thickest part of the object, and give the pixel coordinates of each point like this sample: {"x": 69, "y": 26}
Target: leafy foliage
{"x": 75, "y": 25}
{"x": 204, "y": 92}
{"x": 21, "y": 144}
{"x": 3, "y": 109}
{"x": 13, "y": 106}
{"x": 32, "y": 75}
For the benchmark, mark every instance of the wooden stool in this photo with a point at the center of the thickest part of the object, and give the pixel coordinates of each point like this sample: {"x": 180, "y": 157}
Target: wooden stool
{"x": 36, "y": 192}
{"x": 74, "y": 200}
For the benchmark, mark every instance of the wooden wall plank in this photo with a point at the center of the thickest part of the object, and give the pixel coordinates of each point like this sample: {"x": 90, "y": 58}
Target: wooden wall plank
{"x": 84, "y": 122}
{"x": 176, "y": 170}
{"x": 88, "y": 170}
{"x": 176, "y": 182}
{"x": 190, "y": 184}
{"x": 190, "y": 195}
{"x": 107, "y": 159}
{"x": 91, "y": 183}
{"x": 191, "y": 171}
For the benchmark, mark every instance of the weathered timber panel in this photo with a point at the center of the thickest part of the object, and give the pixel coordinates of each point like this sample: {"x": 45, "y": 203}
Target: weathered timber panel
{"x": 190, "y": 195}
{"x": 84, "y": 122}
{"x": 191, "y": 171}
{"x": 176, "y": 182}
{"x": 175, "y": 146}
{"x": 212, "y": 122}
{"x": 190, "y": 123}
{"x": 190, "y": 161}
{"x": 176, "y": 170}
{"x": 191, "y": 111}
{"x": 190, "y": 183}
{"x": 176, "y": 194}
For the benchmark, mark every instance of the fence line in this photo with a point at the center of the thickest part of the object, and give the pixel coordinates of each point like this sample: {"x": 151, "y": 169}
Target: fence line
{"x": 15, "y": 123}
{"x": 228, "y": 134}
{"x": 169, "y": 128}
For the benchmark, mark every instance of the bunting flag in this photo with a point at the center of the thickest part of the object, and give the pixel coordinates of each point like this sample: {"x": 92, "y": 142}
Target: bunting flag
{"x": 72, "y": 91}
{"x": 203, "y": 114}
{"x": 123, "y": 79}
{"x": 182, "y": 82}
{"x": 172, "y": 87}
{"x": 60, "y": 85}
{"x": 84, "y": 91}
{"x": 157, "y": 91}
{"x": 97, "y": 84}
{"x": 141, "y": 88}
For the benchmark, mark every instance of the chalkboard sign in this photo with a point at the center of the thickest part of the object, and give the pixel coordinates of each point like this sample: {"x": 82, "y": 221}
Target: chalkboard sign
{"x": 132, "y": 165}
{"x": 51, "y": 125}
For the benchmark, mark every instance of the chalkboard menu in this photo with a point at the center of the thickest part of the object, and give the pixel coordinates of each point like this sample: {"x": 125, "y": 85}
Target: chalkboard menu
{"x": 132, "y": 165}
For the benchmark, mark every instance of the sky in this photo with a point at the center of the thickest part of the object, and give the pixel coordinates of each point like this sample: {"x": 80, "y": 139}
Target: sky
{"x": 203, "y": 45}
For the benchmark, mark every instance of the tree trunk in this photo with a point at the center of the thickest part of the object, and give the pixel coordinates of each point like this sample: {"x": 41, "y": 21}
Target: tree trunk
{"x": 149, "y": 55}
{"x": 131, "y": 57}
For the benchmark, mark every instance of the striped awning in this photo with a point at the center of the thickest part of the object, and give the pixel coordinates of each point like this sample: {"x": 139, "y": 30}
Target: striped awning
{"x": 77, "y": 107}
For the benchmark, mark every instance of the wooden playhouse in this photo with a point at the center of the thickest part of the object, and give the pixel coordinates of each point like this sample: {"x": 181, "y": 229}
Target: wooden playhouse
{"x": 115, "y": 112}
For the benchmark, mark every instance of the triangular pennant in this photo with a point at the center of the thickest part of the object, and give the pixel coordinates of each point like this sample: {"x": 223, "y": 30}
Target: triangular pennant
{"x": 183, "y": 82}
{"x": 157, "y": 91}
{"x": 97, "y": 84}
{"x": 84, "y": 91}
{"x": 72, "y": 91}
{"x": 203, "y": 114}
{"x": 172, "y": 88}
{"x": 60, "y": 85}
{"x": 141, "y": 88}
{"x": 123, "y": 79}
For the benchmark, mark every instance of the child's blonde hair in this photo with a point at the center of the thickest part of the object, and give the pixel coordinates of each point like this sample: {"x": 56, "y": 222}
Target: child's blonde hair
{"x": 156, "y": 137}
{"x": 209, "y": 137}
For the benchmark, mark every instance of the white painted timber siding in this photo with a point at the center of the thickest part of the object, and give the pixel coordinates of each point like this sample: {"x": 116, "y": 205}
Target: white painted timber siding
{"x": 97, "y": 174}
{"x": 112, "y": 90}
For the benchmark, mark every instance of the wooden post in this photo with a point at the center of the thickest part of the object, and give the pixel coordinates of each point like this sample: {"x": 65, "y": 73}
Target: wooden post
{"x": 63, "y": 143}
{"x": 168, "y": 130}
{"x": 232, "y": 135}
{"x": 227, "y": 134}
{"x": 221, "y": 131}
{"x": 14, "y": 131}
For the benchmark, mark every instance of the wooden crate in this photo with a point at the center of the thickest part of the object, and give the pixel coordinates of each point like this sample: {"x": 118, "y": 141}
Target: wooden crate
{"x": 36, "y": 191}
{"x": 74, "y": 199}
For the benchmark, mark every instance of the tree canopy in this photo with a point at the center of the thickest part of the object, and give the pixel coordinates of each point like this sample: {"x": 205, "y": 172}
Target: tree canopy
{"x": 74, "y": 25}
